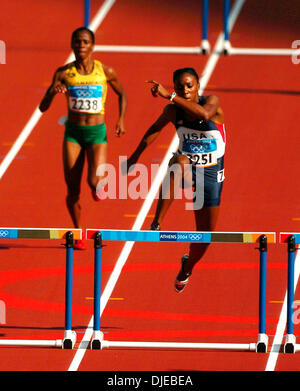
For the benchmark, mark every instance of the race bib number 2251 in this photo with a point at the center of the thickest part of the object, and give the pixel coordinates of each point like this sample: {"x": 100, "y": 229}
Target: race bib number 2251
{"x": 202, "y": 153}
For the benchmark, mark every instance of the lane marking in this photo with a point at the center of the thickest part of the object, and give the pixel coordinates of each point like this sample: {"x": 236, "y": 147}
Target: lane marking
{"x": 35, "y": 117}
{"x": 111, "y": 298}
{"x": 116, "y": 298}
{"x": 135, "y": 215}
{"x": 9, "y": 143}
{"x": 211, "y": 64}
{"x": 16, "y": 157}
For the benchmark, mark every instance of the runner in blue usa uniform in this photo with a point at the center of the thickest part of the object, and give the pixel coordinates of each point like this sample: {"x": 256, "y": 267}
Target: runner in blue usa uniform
{"x": 199, "y": 122}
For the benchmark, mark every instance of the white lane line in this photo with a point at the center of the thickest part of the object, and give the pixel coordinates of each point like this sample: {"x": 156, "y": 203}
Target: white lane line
{"x": 35, "y": 117}
{"x": 101, "y": 14}
{"x": 278, "y": 339}
{"x": 148, "y": 201}
{"x": 20, "y": 141}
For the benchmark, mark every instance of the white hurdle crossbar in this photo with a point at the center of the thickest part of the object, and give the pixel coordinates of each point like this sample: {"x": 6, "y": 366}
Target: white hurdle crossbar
{"x": 204, "y": 47}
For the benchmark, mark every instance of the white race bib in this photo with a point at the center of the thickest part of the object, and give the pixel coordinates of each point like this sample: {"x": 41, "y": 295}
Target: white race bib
{"x": 202, "y": 153}
{"x": 85, "y": 99}
{"x": 220, "y": 176}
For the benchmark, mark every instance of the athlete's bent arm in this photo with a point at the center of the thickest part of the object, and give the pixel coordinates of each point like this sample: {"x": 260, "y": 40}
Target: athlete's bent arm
{"x": 116, "y": 85}
{"x": 151, "y": 134}
{"x": 206, "y": 112}
{"x": 56, "y": 87}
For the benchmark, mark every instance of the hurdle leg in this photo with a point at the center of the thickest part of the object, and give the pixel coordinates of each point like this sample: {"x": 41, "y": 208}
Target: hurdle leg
{"x": 70, "y": 335}
{"x": 87, "y": 12}
{"x": 262, "y": 342}
{"x": 97, "y": 334}
{"x": 290, "y": 341}
{"x": 226, "y": 12}
{"x": 205, "y": 46}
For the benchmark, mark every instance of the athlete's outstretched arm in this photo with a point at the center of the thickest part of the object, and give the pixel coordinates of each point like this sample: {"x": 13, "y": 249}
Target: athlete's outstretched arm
{"x": 116, "y": 85}
{"x": 151, "y": 134}
{"x": 56, "y": 87}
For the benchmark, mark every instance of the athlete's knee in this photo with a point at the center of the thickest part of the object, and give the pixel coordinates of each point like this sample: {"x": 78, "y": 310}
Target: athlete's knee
{"x": 180, "y": 166}
{"x": 73, "y": 193}
{"x": 95, "y": 182}
{"x": 179, "y": 159}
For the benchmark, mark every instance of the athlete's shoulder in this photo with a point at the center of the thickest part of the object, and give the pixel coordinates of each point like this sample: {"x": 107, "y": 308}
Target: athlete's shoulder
{"x": 109, "y": 72}
{"x": 100, "y": 69}
{"x": 209, "y": 99}
{"x": 98, "y": 63}
{"x": 60, "y": 73}
{"x": 64, "y": 69}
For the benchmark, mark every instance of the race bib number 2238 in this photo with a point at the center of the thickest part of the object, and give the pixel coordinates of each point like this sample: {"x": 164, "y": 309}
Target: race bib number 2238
{"x": 85, "y": 98}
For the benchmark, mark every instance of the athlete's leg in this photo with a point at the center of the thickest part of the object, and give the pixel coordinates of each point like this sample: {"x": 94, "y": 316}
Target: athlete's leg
{"x": 206, "y": 219}
{"x": 73, "y": 161}
{"x": 177, "y": 170}
{"x": 97, "y": 157}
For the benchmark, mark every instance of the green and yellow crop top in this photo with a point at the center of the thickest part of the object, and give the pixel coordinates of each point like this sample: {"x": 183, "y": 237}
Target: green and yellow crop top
{"x": 86, "y": 93}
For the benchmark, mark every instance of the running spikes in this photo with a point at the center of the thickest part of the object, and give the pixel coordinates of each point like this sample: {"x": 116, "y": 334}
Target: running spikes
{"x": 98, "y": 195}
{"x": 155, "y": 226}
{"x": 179, "y": 285}
{"x": 79, "y": 244}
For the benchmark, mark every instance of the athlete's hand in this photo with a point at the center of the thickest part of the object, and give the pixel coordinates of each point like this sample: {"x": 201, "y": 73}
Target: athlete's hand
{"x": 59, "y": 88}
{"x": 158, "y": 90}
{"x": 120, "y": 129}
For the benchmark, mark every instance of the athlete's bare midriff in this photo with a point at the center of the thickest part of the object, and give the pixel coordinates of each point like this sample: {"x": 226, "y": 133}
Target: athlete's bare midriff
{"x": 86, "y": 119}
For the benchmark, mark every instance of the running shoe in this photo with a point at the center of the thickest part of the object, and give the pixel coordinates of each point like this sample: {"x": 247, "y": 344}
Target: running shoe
{"x": 155, "y": 226}
{"x": 98, "y": 196}
{"x": 80, "y": 244}
{"x": 179, "y": 285}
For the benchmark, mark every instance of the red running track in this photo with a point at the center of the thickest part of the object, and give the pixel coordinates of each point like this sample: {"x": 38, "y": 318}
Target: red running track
{"x": 260, "y": 99}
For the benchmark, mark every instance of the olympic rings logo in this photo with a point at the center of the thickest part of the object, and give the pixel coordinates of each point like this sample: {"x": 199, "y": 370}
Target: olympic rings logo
{"x": 3, "y": 233}
{"x": 197, "y": 149}
{"x": 84, "y": 93}
{"x": 195, "y": 236}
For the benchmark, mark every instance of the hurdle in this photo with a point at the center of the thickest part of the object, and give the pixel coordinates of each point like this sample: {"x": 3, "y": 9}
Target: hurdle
{"x": 87, "y": 12}
{"x": 262, "y": 238}
{"x": 228, "y": 49}
{"x": 203, "y": 48}
{"x": 69, "y": 235}
{"x": 291, "y": 239}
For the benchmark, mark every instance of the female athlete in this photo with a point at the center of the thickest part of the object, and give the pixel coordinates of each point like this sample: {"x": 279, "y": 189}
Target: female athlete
{"x": 198, "y": 162}
{"x": 84, "y": 82}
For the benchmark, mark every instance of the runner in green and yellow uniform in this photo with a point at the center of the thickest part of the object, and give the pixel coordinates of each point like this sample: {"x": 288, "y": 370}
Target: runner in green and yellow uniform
{"x": 84, "y": 82}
